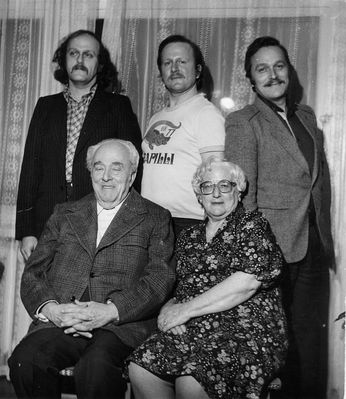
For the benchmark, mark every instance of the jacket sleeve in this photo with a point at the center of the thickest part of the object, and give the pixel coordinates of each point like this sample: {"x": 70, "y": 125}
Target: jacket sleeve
{"x": 29, "y": 176}
{"x": 241, "y": 148}
{"x": 147, "y": 295}
{"x": 35, "y": 288}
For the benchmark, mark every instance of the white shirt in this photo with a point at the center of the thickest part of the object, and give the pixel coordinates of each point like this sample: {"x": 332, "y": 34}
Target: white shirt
{"x": 104, "y": 219}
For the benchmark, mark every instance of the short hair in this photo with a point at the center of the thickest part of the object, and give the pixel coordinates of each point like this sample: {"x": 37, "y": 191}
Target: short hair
{"x": 197, "y": 55}
{"x": 264, "y": 41}
{"x": 107, "y": 73}
{"x": 133, "y": 153}
{"x": 236, "y": 174}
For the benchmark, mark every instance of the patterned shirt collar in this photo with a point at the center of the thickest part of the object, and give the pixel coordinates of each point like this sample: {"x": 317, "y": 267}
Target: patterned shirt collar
{"x": 70, "y": 100}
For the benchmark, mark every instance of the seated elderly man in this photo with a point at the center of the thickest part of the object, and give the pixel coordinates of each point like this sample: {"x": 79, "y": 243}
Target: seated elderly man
{"x": 93, "y": 286}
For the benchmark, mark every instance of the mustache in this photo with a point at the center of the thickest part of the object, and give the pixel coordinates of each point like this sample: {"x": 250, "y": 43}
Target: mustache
{"x": 176, "y": 75}
{"x": 274, "y": 81}
{"x": 80, "y": 67}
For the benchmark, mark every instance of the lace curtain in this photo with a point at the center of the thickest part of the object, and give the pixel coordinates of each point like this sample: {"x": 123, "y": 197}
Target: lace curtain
{"x": 313, "y": 31}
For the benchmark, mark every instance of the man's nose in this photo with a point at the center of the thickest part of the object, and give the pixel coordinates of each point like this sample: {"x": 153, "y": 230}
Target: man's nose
{"x": 80, "y": 58}
{"x": 174, "y": 66}
{"x": 273, "y": 73}
{"x": 106, "y": 175}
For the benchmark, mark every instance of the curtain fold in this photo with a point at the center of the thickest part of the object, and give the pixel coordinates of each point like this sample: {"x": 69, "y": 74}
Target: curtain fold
{"x": 331, "y": 96}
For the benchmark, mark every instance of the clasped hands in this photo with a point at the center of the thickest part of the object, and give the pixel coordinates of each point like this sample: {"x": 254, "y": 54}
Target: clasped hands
{"x": 80, "y": 318}
{"x": 172, "y": 317}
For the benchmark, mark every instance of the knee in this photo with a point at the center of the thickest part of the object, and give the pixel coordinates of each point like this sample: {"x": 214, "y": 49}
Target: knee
{"x": 22, "y": 357}
{"x": 21, "y": 365}
{"x": 95, "y": 366}
{"x": 97, "y": 361}
{"x": 137, "y": 374}
{"x": 99, "y": 371}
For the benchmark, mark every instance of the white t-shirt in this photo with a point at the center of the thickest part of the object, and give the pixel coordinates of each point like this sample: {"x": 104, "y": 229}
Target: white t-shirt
{"x": 172, "y": 148}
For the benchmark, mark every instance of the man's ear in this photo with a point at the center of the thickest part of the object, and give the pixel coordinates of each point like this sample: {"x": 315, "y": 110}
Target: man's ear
{"x": 133, "y": 176}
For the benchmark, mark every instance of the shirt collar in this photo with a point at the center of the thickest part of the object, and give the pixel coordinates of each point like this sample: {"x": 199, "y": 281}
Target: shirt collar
{"x": 112, "y": 210}
{"x": 277, "y": 109}
{"x": 68, "y": 97}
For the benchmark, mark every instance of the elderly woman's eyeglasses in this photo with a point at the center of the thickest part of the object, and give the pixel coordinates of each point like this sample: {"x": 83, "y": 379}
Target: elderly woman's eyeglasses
{"x": 224, "y": 186}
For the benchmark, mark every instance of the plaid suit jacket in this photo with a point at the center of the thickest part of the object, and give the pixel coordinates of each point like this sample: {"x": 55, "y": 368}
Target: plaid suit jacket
{"x": 132, "y": 264}
{"x": 280, "y": 184}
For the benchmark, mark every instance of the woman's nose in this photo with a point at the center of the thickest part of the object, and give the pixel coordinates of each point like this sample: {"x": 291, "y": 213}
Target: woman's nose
{"x": 216, "y": 191}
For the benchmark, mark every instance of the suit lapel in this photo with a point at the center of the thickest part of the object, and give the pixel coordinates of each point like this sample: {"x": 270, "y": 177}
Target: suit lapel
{"x": 309, "y": 124}
{"x": 130, "y": 214}
{"x": 60, "y": 130}
{"x": 96, "y": 111}
{"x": 282, "y": 135}
{"x": 83, "y": 221}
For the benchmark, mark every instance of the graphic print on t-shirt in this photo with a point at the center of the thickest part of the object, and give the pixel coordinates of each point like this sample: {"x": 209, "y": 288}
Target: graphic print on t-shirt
{"x": 160, "y": 133}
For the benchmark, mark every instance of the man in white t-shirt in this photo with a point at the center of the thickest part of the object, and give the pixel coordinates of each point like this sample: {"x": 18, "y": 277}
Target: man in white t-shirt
{"x": 187, "y": 131}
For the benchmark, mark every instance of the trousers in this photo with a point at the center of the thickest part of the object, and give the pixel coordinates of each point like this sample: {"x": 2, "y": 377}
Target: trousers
{"x": 36, "y": 361}
{"x": 305, "y": 288}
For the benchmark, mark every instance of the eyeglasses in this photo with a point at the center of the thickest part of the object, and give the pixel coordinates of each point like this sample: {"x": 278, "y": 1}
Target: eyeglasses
{"x": 224, "y": 186}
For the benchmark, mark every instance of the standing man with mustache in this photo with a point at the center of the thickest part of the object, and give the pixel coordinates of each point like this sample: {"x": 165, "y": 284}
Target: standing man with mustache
{"x": 279, "y": 146}
{"x": 188, "y": 130}
{"x": 63, "y": 126}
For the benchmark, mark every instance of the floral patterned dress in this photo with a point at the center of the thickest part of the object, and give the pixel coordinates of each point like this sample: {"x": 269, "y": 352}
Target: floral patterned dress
{"x": 233, "y": 353}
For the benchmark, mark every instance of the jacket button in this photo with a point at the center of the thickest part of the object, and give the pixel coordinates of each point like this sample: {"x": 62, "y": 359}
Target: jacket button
{"x": 92, "y": 274}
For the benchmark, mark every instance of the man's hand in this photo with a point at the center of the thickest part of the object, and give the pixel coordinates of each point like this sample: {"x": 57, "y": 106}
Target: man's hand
{"x": 90, "y": 315}
{"x": 63, "y": 315}
{"x": 27, "y": 245}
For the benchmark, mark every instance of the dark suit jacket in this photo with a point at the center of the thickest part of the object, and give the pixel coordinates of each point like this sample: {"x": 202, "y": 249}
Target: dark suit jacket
{"x": 132, "y": 264}
{"x": 280, "y": 184}
{"x": 42, "y": 179}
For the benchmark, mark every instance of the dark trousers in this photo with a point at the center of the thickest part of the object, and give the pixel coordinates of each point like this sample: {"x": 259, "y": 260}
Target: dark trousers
{"x": 38, "y": 358}
{"x": 306, "y": 298}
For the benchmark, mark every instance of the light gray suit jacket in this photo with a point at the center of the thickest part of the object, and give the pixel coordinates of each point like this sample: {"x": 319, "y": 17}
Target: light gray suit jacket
{"x": 280, "y": 184}
{"x": 132, "y": 265}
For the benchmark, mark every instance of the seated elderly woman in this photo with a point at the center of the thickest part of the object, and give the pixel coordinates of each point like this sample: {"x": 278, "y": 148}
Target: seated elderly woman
{"x": 223, "y": 335}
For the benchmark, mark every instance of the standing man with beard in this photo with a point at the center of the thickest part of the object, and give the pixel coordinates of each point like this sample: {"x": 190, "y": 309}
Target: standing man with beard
{"x": 279, "y": 146}
{"x": 63, "y": 126}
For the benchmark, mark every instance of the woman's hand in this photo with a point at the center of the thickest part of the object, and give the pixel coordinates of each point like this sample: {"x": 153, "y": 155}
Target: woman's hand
{"x": 178, "y": 330}
{"x": 173, "y": 315}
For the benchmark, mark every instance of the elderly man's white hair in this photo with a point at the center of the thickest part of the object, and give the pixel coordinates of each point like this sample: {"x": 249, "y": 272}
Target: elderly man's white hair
{"x": 236, "y": 174}
{"x": 133, "y": 153}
